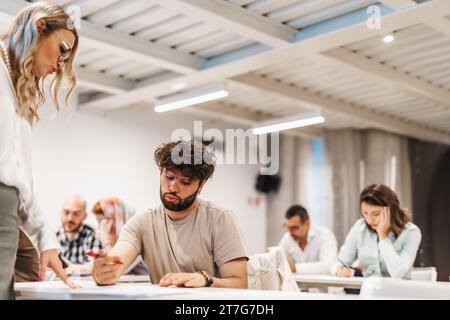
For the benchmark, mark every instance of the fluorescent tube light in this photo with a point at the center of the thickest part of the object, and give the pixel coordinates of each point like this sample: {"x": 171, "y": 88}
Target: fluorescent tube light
{"x": 288, "y": 124}
{"x": 191, "y": 98}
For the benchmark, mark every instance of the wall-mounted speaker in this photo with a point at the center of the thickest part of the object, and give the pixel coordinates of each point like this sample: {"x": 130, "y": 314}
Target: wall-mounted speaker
{"x": 268, "y": 183}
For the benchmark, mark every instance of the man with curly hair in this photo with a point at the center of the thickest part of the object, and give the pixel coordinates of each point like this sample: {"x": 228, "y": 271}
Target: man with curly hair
{"x": 187, "y": 241}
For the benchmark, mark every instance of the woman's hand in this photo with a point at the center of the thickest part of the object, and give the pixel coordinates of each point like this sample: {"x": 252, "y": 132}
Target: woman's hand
{"x": 106, "y": 228}
{"x": 384, "y": 226}
{"x": 50, "y": 259}
{"x": 361, "y": 266}
{"x": 345, "y": 272}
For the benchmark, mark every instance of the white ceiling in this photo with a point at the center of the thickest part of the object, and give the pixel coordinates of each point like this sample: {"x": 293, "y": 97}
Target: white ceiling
{"x": 277, "y": 57}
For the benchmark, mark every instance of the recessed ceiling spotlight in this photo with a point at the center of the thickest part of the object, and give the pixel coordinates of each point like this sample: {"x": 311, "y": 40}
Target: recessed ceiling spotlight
{"x": 388, "y": 38}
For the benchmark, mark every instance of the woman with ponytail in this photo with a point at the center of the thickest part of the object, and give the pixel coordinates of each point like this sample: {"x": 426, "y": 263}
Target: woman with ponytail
{"x": 41, "y": 42}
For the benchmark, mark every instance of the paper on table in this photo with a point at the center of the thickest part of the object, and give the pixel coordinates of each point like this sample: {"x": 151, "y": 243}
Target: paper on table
{"x": 134, "y": 278}
{"x": 89, "y": 290}
{"x": 129, "y": 291}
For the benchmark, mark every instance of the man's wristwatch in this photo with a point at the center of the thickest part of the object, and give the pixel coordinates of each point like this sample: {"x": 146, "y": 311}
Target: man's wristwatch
{"x": 208, "y": 278}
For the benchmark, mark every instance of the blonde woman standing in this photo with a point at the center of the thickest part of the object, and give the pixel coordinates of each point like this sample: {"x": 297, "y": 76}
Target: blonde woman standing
{"x": 41, "y": 42}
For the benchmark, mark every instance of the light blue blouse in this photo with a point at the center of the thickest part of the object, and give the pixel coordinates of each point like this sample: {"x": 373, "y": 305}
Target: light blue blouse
{"x": 391, "y": 257}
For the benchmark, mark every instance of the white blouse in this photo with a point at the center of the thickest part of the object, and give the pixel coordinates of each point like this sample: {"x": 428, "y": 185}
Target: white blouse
{"x": 16, "y": 164}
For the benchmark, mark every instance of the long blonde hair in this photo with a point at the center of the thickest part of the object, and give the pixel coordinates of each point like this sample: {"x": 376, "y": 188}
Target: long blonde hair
{"x": 22, "y": 40}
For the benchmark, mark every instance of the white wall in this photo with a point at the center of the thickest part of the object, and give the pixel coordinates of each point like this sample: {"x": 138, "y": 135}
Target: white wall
{"x": 98, "y": 156}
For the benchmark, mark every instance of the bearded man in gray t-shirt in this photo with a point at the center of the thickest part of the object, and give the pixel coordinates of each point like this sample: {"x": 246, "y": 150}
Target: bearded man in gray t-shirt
{"x": 186, "y": 241}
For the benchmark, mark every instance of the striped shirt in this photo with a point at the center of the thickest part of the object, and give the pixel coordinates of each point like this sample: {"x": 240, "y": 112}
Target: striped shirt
{"x": 75, "y": 250}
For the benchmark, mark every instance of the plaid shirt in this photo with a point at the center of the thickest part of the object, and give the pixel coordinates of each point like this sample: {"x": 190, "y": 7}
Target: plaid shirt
{"x": 75, "y": 250}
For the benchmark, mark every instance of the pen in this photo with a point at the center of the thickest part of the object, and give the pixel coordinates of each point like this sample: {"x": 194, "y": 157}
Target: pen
{"x": 343, "y": 264}
{"x": 93, "y": 254}
{"x": 96, "y": 255}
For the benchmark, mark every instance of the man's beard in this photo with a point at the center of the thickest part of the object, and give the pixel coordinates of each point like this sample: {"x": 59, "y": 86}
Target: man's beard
{"x": 181, "y": 205}
{"x": 71, "y": 227}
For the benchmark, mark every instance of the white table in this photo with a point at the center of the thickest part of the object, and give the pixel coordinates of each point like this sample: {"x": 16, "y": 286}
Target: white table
{"x": 389, "y": 288}
{"x": 306, "y": 282}
{"x": 52, "y": 290}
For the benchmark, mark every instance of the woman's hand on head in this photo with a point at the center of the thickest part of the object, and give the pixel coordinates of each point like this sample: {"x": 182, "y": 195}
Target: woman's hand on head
{"x": 106, "y": 229}
{"x": 106, "y": 226}
{"x": 384, "y": 226}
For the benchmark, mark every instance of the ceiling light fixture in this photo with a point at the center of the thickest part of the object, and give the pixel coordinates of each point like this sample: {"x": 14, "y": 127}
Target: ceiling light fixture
{"x": 289, "y": 123}
{"x": 190, "y": 98}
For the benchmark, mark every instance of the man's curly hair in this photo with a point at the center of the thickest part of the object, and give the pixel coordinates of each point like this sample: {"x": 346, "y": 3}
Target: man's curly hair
{"x": 198, "y": 164}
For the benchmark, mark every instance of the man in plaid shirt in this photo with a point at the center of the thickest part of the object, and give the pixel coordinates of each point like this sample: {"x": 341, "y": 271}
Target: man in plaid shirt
{"x": 77, "y": 238}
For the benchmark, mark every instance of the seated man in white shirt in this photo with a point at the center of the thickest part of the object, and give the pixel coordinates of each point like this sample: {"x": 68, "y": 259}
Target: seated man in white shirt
{"x": 310, "y": 249}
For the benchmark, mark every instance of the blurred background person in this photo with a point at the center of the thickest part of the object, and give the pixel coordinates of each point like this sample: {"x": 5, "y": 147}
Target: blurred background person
{"x": 384, "y": 242}
{"x": 77, "y": 238}
{"x": 309, "y": 248}
{"x": 111, "y": 214}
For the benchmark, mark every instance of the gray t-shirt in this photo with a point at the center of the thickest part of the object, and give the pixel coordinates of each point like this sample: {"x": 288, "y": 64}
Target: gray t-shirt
{"x": 205, "y": 240}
